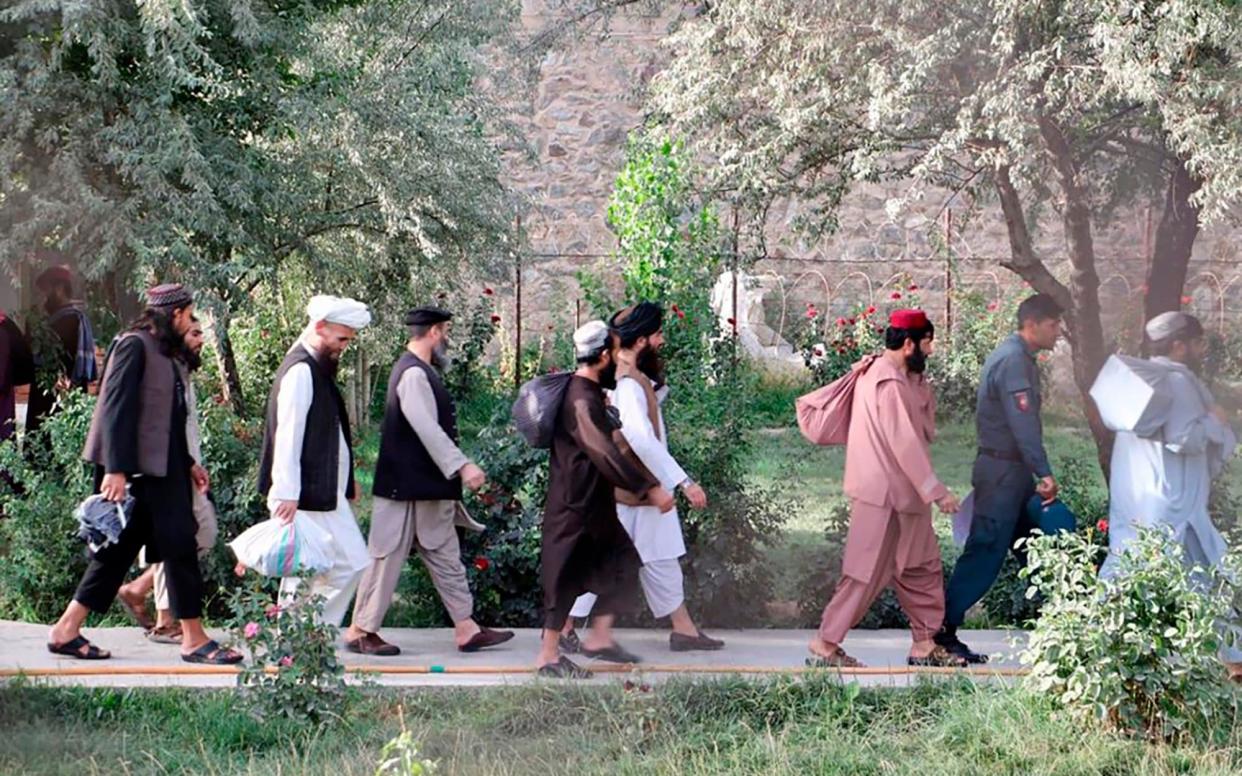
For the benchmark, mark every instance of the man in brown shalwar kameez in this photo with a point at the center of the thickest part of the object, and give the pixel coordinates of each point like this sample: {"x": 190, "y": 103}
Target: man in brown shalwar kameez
{"x": 891, "y": 485}
{"x": 585, "y": 547}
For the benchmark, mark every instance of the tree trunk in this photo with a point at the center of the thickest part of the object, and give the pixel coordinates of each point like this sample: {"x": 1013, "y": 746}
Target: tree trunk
{"x": 1086, "y": 332}
{"x": 227, "y": 361}
{"x": 1175, "y": 237}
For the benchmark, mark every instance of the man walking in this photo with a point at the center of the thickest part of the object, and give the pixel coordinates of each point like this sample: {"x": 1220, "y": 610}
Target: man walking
{"x": 585, "y": 548}
{"x": 418, "y": 490}
{"x": 657, "y": 537}
{"x": 1011, "y": 465}
{"x": 153, "y": 581}
{"x": 1162, "y": 473}
{"x": 307, "y": 464}
{"x": 891, "y": 485}
{"x": 16, "y": 369}
{"x": 139, "y": 445}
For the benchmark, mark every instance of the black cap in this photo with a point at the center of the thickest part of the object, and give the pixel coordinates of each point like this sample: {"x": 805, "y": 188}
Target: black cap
{"x": 427, "y": 316}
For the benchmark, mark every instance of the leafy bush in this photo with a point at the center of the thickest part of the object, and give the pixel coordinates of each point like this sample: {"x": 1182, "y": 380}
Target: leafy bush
{"x": 979, "y": 325}
{"x": 1137, "y": 651}
{"x": 293, "y": 671}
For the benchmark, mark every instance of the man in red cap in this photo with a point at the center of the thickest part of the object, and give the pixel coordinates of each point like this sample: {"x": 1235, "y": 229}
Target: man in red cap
{"x": 891, "y": 485}
{"x": 64, "y": 344}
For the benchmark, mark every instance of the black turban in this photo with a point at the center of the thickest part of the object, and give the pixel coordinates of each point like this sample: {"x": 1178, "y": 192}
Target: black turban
{"x": 641, "y": 320}
{"x": 427, "y": 316}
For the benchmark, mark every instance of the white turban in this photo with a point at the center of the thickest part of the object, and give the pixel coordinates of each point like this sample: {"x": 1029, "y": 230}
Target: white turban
{"x": 1168, "y": 325}
{"x": 339, "y": 310}
{"x": 590, "y": 338}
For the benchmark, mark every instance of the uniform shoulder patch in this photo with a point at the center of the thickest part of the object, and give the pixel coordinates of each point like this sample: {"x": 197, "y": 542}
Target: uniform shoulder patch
{"x": 1022, "y": 400}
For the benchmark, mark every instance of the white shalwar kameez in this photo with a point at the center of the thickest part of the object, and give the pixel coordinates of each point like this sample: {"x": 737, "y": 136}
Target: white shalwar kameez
{"x": 337, "y": 585}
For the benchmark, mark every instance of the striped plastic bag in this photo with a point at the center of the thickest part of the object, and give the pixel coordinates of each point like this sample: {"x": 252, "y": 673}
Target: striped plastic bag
{"x": 275, "y": 549}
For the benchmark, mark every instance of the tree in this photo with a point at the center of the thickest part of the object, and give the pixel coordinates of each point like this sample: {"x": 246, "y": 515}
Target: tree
{"x": 1071, "y": 108}
{"x": 216, "y": 140}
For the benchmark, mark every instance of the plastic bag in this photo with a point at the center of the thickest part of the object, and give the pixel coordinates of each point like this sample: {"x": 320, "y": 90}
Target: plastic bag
{"x": 100, "y": 521}
{"x": 537, "y": 405}
{"x": 274, "y": 549}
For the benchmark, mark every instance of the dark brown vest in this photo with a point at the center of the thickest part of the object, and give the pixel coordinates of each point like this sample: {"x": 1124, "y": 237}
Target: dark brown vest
{"x": 155, "y": 409}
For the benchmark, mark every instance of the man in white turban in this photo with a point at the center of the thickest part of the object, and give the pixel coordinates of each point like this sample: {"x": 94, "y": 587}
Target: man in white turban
{"x": 1162, "y": 470}
{"x": 307, "y": 468}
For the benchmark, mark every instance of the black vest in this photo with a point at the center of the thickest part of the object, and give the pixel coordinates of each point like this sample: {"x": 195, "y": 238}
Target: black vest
{"x": 320, "y": 446}
{"x": 405, "y": 471}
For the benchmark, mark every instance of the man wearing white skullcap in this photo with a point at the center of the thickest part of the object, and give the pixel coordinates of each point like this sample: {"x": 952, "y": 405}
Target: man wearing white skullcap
{"x": 585, "y": 547}
{"x": 1162, "y": 470}
{"x": 307, "y": 468}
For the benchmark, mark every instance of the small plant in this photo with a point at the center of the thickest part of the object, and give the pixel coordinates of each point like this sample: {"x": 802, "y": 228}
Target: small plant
{"x": 1137, "y": 651}
{"x": 400, "y": 756}
{"x": 293, "y": 671}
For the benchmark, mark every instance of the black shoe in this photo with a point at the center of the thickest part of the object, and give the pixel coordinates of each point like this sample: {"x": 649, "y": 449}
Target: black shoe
{"x": 614, "y": 654}
{"x": 570, "y": 643}
{"x": 947, "y": 638}
{"x": 680, "y": 642}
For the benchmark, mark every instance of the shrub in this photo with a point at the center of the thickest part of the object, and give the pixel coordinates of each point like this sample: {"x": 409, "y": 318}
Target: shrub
{"x": 1137, "y": 651}
{"x": 293, "y": 671}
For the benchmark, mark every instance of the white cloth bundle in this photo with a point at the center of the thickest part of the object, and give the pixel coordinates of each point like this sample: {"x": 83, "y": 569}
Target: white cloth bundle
{"x": 1129, "y": 393}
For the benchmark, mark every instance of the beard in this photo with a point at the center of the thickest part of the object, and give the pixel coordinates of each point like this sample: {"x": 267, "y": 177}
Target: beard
{"x": 440, "y": 358}
{"x": 916, "y": 362}
{"x": 329, "y": 362}
{"x": 651, "y": 364}
{"x": 192, "y": 359}
{"x": 1195, "y": 364}
{"x": 608, "y": 377}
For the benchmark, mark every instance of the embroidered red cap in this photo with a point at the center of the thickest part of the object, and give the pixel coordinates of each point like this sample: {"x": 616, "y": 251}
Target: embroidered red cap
{"x": 908, "y": 319}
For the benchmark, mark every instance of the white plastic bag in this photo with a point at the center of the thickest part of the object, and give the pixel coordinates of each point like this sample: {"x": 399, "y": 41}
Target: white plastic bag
{"x": 274, "y": 549}
{"x": 962, "y": 519}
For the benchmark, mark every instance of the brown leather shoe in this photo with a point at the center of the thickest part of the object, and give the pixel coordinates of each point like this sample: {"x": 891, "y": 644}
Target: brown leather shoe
{"x": 372, "y": 644}
{"x": 486, "y": 637}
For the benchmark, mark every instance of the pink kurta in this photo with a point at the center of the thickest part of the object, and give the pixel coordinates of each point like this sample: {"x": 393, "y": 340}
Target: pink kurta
{"x": 891, "y": 485}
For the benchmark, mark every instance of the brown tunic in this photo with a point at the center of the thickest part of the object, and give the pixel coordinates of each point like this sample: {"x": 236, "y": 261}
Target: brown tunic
{"x": 585, "y": 547}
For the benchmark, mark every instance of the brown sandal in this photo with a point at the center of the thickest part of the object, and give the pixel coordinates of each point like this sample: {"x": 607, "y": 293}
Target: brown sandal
{"x": 939, "y": 657}
{"x": 165, "y": 634}
{"x": 137, "y": 610}
{"x": 839, "y": 659}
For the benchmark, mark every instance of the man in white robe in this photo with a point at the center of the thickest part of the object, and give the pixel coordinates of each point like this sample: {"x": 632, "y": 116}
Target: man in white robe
{"x": 307, "y": 468}
{"x": 1162, "y": 471}
{"x": 638, "y": 336}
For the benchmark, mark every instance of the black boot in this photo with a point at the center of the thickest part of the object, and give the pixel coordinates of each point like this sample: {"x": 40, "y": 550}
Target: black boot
{"x": 947, "y": 638}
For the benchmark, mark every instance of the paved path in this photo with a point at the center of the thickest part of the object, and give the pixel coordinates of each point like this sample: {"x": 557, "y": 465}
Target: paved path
{"x": 429, "y": 658}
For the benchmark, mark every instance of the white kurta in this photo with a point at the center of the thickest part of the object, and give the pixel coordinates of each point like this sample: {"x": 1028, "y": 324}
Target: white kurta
{"x": 656, "y": 534}
{"x": 1165, "y": 477}
{"x": 337, "y": 585}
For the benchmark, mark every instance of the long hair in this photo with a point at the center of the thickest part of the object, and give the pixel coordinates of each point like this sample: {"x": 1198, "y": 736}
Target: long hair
{"x": 158, "y": 322}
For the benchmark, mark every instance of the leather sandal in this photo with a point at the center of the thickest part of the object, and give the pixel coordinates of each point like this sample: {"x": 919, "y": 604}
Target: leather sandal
{"x": 939, "y": 657}
{"x": 838, "y": 659}
{"x": 564, "y": 668}
{"x": 612, "y": 654}
{"x": 213, "y": 654}
{"x": 486, "y": 637}
{"x": 73, "y": 648}
{"x": 372, "y": 644}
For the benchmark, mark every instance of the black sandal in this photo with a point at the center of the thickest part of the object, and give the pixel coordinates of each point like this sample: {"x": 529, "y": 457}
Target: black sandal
{"x": 73, "y": 648}
{"x": 564, "y": 668}
{"x": 612, "y": 654}
{"x": 213, "y": 654}
{"x": 939, "y": 658}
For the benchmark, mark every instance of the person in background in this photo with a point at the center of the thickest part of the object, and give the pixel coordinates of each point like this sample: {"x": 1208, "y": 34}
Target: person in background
{"x": 16, "y": 369}
{"x": 63, "y": 343}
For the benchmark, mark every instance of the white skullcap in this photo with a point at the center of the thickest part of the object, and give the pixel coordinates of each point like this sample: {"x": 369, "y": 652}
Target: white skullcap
{"x": 590, "y": 338}
{"x": 339, "y": 310}
{"x": 1170, "y": 324}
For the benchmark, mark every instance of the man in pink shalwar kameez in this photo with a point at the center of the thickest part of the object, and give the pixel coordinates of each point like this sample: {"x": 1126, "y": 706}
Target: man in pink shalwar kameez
{"x": 891, "y": 485}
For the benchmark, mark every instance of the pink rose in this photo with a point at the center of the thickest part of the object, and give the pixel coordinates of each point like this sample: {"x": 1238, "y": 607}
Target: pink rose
{"x": 251, "y": 630}
{"x": 286, "y": 661}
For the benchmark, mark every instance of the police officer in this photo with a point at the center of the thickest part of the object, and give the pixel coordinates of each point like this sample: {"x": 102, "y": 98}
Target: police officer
{"x": 1010, "y": 466}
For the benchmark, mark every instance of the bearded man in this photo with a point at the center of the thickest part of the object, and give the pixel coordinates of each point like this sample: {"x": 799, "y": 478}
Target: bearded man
{"x": 307, "y": 464}
{"x": 418, "y": 488}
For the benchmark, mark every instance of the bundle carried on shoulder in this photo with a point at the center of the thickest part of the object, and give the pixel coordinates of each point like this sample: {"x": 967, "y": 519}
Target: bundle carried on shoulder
{"x": 275, "y": 549}
{"x": 824, "y": 414}
{"x": 1131, "y": 395}
{"x": 538, "y": 403}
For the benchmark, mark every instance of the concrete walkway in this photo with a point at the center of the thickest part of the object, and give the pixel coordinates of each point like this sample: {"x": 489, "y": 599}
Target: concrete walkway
{"x": 429, "y": 658}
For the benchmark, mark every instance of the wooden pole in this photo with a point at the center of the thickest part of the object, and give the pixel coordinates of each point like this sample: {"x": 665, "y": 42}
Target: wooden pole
{"x": 517, "y": 315}
{"x": 948, "y": 271}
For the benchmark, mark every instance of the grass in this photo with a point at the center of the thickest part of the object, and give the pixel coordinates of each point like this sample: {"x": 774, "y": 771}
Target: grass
{"x": 731, "y": 726}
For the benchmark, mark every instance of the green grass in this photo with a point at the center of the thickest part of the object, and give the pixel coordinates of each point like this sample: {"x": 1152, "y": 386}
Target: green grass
{"x": 732, "y": 726}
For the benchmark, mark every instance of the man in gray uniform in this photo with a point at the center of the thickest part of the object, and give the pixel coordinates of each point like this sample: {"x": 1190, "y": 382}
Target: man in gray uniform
{"x": 1010, "y": 459}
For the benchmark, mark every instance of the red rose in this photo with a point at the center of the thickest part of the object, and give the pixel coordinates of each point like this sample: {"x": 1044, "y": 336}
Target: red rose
{"x": 482, "y": 563}
{"x": 1187, "y": 300}
{"x": 896, "y": 295}
{"x": 913, "y": 287}
{"x": 495, "y": 318}
{"x": 871, "y": 310}
{"x": 818, "y": 350}
{"x": 840, "y": 321}
{"x": 732, "y": 322}
{"x": 488, "y": 292}
{"x": 992, "y": 307}
{"x": 811, "y": 312}
{"x": 1102, "y": 526}
{"x": 677, "y": 311}
{"x": 851, "y": 321}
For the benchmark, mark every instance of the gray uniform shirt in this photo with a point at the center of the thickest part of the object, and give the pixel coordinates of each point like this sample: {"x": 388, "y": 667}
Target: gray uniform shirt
{"x": 1007, "y": 411}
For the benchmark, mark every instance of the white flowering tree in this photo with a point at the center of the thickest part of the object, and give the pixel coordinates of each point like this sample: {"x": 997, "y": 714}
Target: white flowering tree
{"x": 215, "y": 141}
{"x": 1053, "y": 109}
